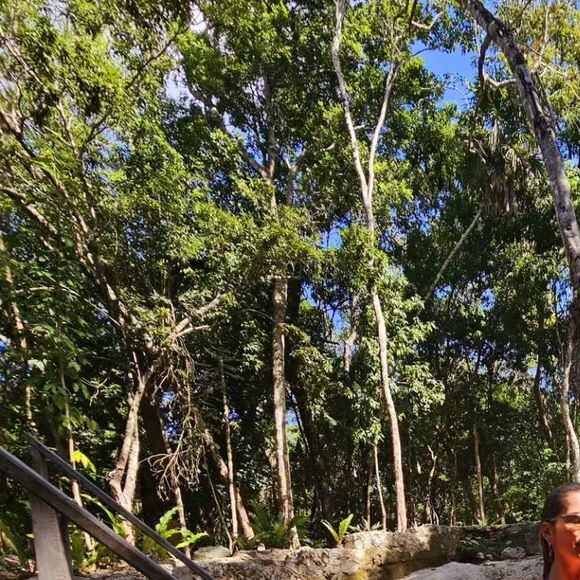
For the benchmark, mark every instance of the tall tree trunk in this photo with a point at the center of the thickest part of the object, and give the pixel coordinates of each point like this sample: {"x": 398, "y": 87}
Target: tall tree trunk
{"x": 391, "y": 410}
{"x": 431, "y": 512}
{"x": 369, "y": 490}
{"x": 280, "y": 299}
{"x": 130, "y": 484}
{"x": 347, "y": 354}
{"x": 480, "y": 493}
{"x": 125, "y": 470}
{"x": 542, "y": 416}
{"x": 544, "y": 128}
{"x": 571, "y": 435}
{"x": 222, "y": 469}
{"x": 453, "y": 517}
{"x": 367, "y": 183}
{"x": 229, "y": 454}
{"x": 496, "y": 492}
{"x": 380, "y": 487}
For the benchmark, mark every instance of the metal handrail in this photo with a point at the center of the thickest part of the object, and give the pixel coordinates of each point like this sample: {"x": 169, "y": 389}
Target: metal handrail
{"x": 41, "y": 488}
{"x": 89, "y": 486}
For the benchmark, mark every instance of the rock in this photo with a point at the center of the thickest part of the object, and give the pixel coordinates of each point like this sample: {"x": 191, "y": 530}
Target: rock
{"x": 513, "y": 554}
{"x": 302, "y": 564}
{"x": 208, "y": 553}
{"x": 452, "y": 571}
{"x": 528, "y": 569}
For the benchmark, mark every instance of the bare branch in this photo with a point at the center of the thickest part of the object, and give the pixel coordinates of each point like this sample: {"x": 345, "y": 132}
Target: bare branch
{"x": 452, "y": 254}
{"x": 423, "y": 26}
{"x": 482, "y": 52}
{"x": 336, "y": 42}
{"x": 484, "y": 78}
{"x": 185, "y": 327}
{"x": 389, "y": 83}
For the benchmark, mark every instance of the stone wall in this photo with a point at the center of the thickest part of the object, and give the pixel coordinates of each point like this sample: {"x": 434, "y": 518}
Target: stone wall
{"x": 380, "y": 555}
{"x": 383, "y": 555}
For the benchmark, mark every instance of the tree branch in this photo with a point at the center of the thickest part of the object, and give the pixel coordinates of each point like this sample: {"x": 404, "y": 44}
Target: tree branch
{"x": 29, "y": 209}
{"x": 218, "y": 117}
{"x": 335, "y": 53}
{"x": 452, "y": 255}
{"x": 389, "y": 83}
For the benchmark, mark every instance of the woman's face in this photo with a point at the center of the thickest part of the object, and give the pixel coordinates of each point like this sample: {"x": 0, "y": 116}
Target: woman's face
{"x": 563, "y": 534}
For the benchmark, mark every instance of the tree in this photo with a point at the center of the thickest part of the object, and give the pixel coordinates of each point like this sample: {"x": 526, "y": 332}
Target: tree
{"x": 545, "y": 131}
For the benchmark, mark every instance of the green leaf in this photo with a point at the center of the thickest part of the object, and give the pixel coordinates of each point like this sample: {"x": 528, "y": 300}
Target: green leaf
{"x": 39, "y": 364}
{"x": 80, "y": 457}
{"x": 191, "y": 538}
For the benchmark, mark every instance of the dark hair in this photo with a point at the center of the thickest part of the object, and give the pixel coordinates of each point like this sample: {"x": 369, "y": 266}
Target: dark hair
{"x": 552, "y": 509}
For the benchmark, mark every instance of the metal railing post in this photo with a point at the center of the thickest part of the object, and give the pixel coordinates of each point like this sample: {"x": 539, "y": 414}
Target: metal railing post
{"x": 50, "y": 544}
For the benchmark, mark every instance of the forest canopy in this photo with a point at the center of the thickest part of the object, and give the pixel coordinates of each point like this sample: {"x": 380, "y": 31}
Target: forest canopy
{"x": 258, "y": 271}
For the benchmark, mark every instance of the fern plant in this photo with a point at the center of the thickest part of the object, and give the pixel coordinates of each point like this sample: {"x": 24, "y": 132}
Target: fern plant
{"x": 274, "y": 532}
{"x": 164, "y": 529}
{"x": 116, "y": 522}
{"x": 343, "y": 527}
{"x": 190, "y": 538}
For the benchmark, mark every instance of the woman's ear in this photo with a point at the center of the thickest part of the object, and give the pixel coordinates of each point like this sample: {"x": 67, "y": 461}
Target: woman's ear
{"x": 546, "y": 532}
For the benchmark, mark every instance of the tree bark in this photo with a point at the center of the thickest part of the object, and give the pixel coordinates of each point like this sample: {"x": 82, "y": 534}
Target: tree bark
{"x": 571, "y": 435}
{"x": 380, "y": 487}
{"x": 280, "y": 299}
{"x": 369, "y": 490}
{"x": 118, "y": 476}
{"x": 542, "y": 416}
{"x": 348, "y": 344}
{"x": 480, "y": 494}
{"x": 431, "y": 512}
{"x": 130, "y": 484}
{"x": 391, "y": 410}
{"x": 496, "y": 492}
{"x": 229, "y": 454}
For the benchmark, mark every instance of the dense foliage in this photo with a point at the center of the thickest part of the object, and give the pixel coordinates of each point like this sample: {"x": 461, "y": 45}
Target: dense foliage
{"x": 194, "y": 266}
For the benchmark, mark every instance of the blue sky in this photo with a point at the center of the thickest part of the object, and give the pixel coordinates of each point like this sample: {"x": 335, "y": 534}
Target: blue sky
{"x": 455, "y": 67}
